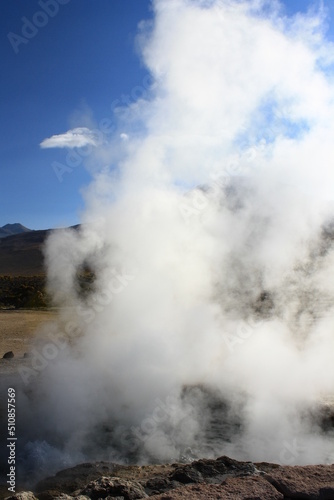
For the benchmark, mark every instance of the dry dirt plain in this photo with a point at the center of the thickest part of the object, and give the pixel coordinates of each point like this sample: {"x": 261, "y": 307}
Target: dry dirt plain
{"x": 18, "y": 328}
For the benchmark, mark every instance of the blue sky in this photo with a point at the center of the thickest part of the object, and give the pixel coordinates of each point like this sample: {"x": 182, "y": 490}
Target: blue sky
{"x": 79, "y": 62}
{"x": 83, "y": 57}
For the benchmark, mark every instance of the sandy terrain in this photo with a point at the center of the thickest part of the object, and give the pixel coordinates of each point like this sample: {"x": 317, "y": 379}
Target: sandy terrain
{"x": 18, "y": 328}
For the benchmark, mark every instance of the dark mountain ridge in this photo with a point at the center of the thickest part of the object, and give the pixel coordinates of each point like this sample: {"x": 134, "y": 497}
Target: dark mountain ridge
{"x": 11, "y": 229}
{"x": 21, "y": 254}
{"x": 22, "y": 269}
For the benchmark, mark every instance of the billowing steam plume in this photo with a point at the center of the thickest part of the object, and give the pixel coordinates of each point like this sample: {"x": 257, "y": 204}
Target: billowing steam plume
{"x": 208, "y": 328}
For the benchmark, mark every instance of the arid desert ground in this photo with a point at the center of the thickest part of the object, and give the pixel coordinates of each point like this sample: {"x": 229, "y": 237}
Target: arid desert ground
{"x": 18, "y": 328}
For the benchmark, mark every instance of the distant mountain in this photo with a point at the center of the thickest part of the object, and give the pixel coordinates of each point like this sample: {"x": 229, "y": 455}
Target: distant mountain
{"x": 21, "y": 254}
{"x": 11, "y": 229}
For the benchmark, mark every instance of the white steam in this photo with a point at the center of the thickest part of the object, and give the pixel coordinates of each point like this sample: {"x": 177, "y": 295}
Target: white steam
{"x": 210, "y": 326}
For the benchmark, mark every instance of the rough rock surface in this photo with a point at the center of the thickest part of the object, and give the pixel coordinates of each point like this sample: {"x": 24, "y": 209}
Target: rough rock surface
{"x": 231, "y": 489}
{"x": 113, "y": 486}
{"x": 222, "y": 478}
{"x": 25, "y": 495}
{"x": 74, "y": 478}
{"x": 310, "y": 481}
{"x": 63, "y": 496}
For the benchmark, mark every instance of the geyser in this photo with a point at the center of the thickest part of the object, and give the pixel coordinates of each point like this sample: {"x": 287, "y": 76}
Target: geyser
{"x": 208, "y": 328}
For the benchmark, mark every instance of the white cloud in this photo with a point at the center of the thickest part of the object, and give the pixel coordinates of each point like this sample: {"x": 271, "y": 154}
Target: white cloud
{"x": 75, "y": 138}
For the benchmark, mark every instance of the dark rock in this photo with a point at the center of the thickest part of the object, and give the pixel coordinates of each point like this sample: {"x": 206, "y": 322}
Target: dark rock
{"x": 63, "y": 496}
{"x": 49, "y": 494}
{"x": 8, "y": 355}
{"x": 323, "y": 415}
{"x": 186, "y": 475}
{"x": 241, "y": 488}
{"x": 157, "y": 485}
{"x": 24, "y": 495}
{"x": 227, "y": 465}
{"x": 266, "y": 466}
{"x": 207, "y": 468}
{"x": 212, "y": 471}
{"x": 114, "y": 487}
{"x": 53, "y": 495}
{"x": 204, "y": 479}
{"x": 75, "y": 478}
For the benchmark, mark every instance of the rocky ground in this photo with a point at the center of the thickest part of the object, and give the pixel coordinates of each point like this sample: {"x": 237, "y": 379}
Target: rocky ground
{"x": 222, "y": 478}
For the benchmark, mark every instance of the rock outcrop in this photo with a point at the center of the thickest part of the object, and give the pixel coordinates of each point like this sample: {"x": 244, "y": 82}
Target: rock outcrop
{"x": 223, "y": 478}
{"x": 114, "y": 487}
{"x": 8, "y": 355}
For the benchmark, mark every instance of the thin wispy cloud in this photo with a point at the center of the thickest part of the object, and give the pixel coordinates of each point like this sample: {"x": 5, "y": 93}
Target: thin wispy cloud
{"x": 75, "y": 138}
